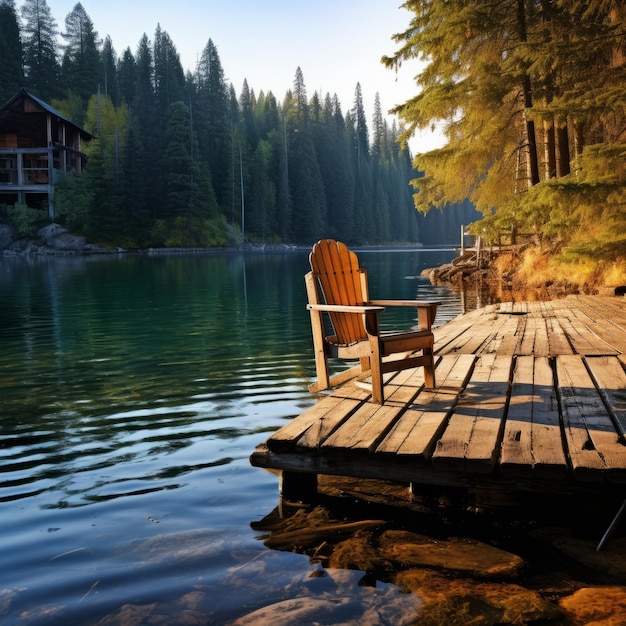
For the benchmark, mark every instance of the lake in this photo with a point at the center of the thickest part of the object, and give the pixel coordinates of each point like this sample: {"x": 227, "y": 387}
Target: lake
{"x": 132, "y": 391}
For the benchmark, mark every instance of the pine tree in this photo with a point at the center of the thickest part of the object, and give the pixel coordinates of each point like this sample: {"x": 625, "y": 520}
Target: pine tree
{"x": 39, "y": 39}
{"x": 305, "y": 180}
{"x": 108, "y": 211}
{"x": 284, "y": 207}
{"x": 381, "y": 179}
{"x": 334, "y": 157}
{"x": 11, "y": 68}
{"x": 147, "y": 137}
{"x": 81, "y": 58}
{"x": 367, "y": 220}
{"x": 299, "y": 105}
{"x": 212, "y": 121}
{"x": 127, "y": 76}
{"x": 181, "y": 187}
{"x": 109, "y": 83}
{"x": 169, "y": 78}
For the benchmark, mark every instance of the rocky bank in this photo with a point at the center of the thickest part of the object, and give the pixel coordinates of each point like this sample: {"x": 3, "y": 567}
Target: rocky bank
{"x": 51, "y": 240}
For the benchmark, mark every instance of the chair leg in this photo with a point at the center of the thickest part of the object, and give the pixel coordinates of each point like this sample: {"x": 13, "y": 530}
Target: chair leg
{"x": 321, "y": 369}
{"x": 377, "y": 373}
{"x": 377, "y": 385}
{"x": 321, "y": 359}
{"x": 429, "y": 369}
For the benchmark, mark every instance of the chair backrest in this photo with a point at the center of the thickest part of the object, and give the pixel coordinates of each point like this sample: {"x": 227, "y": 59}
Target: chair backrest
{"x": 341, "y": 282}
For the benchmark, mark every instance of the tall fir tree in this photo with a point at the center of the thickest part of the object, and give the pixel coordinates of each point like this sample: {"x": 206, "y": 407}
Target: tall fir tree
{"x": 39, "y": 40}
{"x": 366, "y": 217}
{"x": 188, "y": 193}
{"x": 169, "y": 77}
{"x": 305, "y": 179}
{"x": 80, "y": 67}
{"x": 109, "y": 82}
{"x": 127, "y": 77}
{"x": 181, "y": 185}
{"x": 11, "y": 53}
{"x": 147, "y": 138}
{"x": 109, "y": 215}
{"x": 212, "y": 120}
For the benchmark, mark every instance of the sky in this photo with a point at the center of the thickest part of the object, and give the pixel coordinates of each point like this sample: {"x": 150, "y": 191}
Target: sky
{"x": 336, "y": 43}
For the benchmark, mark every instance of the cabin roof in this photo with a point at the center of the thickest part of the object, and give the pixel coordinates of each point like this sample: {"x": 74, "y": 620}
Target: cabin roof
{"x": 14, "y": 114}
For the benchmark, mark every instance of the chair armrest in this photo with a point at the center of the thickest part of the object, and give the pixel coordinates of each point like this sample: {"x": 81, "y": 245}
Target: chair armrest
{"x": 426, "y": 311}
{"x": 341, "y": 308}
{"x": 416, "y": 303}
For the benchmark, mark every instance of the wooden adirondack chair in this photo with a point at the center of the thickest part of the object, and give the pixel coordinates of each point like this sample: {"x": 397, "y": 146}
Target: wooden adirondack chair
{"x": 337, "y": 287}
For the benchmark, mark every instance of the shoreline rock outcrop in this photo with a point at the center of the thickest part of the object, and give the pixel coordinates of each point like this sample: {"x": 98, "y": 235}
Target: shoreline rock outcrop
{"x": 52, "y": 239}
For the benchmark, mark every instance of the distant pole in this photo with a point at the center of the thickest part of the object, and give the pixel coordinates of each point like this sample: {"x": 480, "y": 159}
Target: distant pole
{"x": 99, "y": 112}
{"x": 462, "y": 239}
{"x": 117, "y": 152}
{"x": 243, "y": 207}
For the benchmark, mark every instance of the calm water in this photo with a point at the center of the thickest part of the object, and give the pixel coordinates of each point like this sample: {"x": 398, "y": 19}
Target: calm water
{"x": 132, "y": 392}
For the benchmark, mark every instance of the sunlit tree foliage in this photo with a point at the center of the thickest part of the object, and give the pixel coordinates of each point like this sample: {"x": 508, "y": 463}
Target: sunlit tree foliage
{"x": 531, "y": 96}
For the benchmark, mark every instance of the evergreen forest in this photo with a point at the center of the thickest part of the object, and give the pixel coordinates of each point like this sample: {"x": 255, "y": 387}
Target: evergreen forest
{"x": 531, "y": 98}
{"x": 180, "y": 159}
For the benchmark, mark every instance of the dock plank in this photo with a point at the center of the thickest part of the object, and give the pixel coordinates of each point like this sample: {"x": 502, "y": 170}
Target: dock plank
{"x": 320, "y": 430}
{"x": 532, "y": 433}
{"x": 581, "y": 337}
{"x": 611, "y": 381}
{"x": 593, "y": 442}
{"x": 529, "y": 340}
{"x": 515, "y": 335}
{"x": 449, "y": 333}
{"x": 559, "y": 343}
{"x": 317, "y": 418}
{"x": 609, "y": 321}
{"x": 416, "y": 432}
{"x": 498, "y": 341}
{"x": 486, "y": 340}
{"x": 471, "y": 439}
{"x": 364, "y": 429}
{"x": 473, "y": 336}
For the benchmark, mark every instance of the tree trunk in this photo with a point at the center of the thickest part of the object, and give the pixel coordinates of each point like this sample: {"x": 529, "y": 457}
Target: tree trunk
{"x": 529, "y": 125}
{"x": 562, "y": 151}
{"x": 549, "y": 149}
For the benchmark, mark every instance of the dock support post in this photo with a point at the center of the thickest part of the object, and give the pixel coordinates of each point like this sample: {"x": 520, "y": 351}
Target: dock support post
{"x": 611, "y": 529}
{"x": 298, "y": 486}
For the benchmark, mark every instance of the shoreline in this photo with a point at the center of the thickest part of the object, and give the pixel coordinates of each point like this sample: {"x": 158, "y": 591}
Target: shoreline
{"x": 56, "y": 241}
{"x": 495, "y": 272}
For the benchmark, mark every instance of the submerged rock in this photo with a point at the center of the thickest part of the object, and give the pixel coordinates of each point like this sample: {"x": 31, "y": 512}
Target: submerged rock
{"x": 347, "y": 602}
{"x": 358, "y": 552}
{"x": 185, "y": 547}
{"x": 467, "y": 556}
{"x": 600, "y": 606}
{"x": 458, "y": 602}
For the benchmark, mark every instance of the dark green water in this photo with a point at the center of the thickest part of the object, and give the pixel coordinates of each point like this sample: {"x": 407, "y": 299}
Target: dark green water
{"x": 132, "y": 392}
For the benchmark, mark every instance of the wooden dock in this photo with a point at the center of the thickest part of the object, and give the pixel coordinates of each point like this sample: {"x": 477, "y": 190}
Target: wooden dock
{"x": 529, "y": 397}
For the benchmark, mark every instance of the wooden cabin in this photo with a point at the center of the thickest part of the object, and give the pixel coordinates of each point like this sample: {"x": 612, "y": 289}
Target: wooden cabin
{"x": 36, "y": 144}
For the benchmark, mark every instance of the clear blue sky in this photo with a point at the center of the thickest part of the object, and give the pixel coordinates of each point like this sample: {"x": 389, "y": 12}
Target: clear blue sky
{"x": 336, "y": 43}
